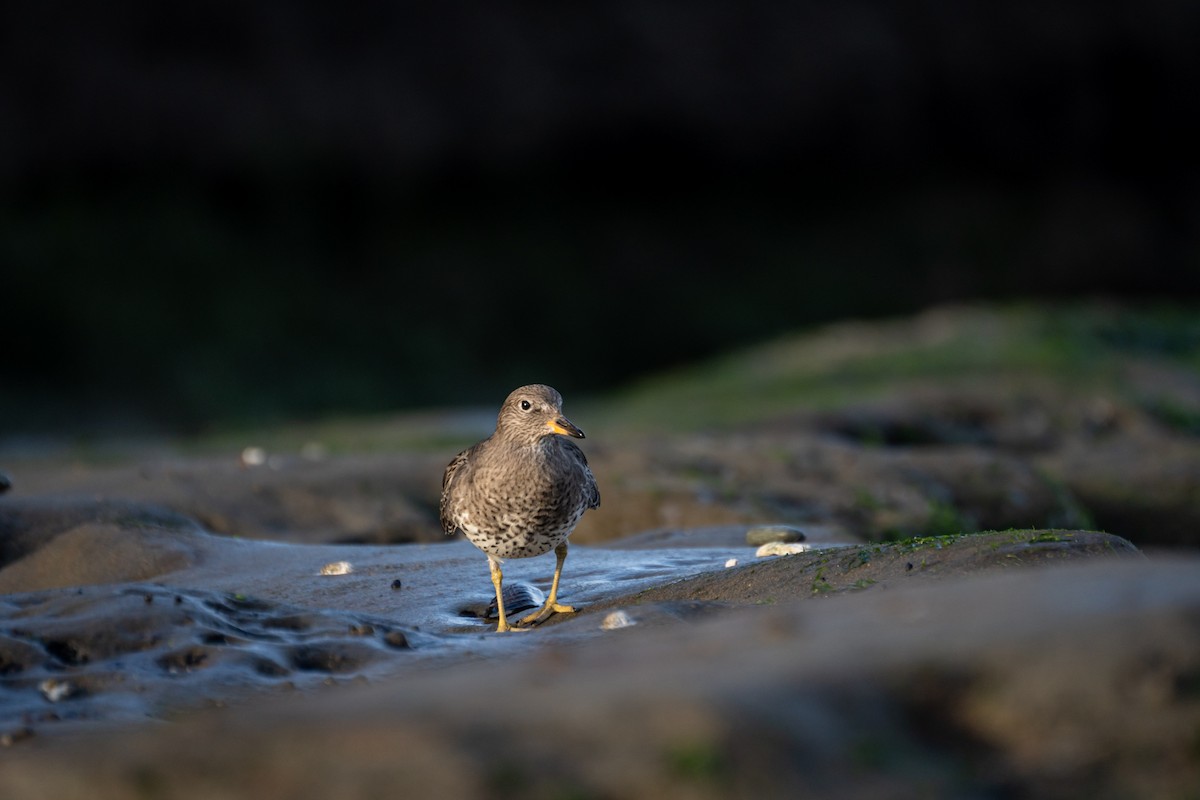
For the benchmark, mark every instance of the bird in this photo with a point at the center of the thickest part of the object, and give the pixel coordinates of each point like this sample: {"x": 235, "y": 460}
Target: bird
{"x": 520, "y": 492}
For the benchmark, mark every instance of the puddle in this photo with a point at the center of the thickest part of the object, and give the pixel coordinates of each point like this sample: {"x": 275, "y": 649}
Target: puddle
{"x": 252, "y": 618}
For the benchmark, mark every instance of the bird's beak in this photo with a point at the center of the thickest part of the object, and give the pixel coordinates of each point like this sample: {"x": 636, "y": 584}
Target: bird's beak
{"x": 563, "y": 426}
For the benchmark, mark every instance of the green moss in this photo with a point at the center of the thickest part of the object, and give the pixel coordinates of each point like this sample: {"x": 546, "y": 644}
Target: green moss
{"x": 508, "y": 780}
{"x": 944, "y": 519}
{"x": 697, "y": 761}
{"x": 1174, "y": 415}
{"x": 917, "y": 543}
{"x": 1048, "y": 536}
{"x": 819, "y": 584}
{"x": 1165, "y": 331}
{"x": 865, "y": 500}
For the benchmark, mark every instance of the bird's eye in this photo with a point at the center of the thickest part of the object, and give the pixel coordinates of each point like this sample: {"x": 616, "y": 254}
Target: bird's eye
{"x": 525, "y": 405}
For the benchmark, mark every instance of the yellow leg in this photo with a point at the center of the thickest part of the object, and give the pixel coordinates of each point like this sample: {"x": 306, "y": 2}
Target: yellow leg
{"x": 497, "y": 581}
{"x": 552, "y": 605}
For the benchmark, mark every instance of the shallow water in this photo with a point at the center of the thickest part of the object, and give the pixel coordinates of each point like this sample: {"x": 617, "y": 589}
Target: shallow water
{"x": 253, "y": 618}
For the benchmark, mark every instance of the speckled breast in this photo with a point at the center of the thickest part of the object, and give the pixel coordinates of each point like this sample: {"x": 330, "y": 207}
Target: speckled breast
{"x": 511, "y": 543}
{"x": 520, "y": 526}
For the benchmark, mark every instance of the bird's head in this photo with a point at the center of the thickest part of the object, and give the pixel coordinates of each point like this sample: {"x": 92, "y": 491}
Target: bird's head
{"x": 532, "y": 412}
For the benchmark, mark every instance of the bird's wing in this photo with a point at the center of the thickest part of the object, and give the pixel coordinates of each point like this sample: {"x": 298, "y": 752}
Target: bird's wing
{"x": 594, "y": 490}
{"x": 446, "y": 510}
{"x": 591, "y": 489}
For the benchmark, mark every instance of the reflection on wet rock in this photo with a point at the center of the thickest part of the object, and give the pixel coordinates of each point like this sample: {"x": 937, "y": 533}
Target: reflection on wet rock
{"x": 518, "y": 596}
{"x": 108, "y": 649}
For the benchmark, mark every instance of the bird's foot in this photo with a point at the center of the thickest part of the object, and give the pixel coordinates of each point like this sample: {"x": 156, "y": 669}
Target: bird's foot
{"x": 543, "y": 614}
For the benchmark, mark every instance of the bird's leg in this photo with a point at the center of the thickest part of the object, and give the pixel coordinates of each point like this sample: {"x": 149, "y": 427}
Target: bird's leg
{"x": 552, "y": 605}
{"x": 497, "y": 581}
{"x": 560, "y": 554}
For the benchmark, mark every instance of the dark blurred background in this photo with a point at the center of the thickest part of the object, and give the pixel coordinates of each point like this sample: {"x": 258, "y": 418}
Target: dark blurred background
{"x": 235, "y": 213}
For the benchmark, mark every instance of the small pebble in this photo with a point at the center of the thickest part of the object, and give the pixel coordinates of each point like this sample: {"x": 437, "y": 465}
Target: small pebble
{"x": 396, "y": 639}
{"x": 5, "y": 483}
{"x": 782, "y": 549}
{"x": 396, "y": 584}
{"x": 615, "y": 620}
{"x": 253, "y": 457}
{"x": 55, "y": 690}
{"x": 337, "y": 568}
{"x": 731, "y": 563}
{"x": 764, "y": 534}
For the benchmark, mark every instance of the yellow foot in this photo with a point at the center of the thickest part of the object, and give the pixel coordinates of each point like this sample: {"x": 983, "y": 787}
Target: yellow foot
{"x": 544, "y": 613}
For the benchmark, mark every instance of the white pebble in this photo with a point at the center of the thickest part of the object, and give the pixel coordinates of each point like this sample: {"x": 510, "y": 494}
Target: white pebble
{"x": 54, "y": 690}
{"x": 337, "y": 568}
{"x": 782, "y": 549}
{"x": 254, "y": 457}
{"x": 615, "y": 620}
{"x": 731, "y": 563}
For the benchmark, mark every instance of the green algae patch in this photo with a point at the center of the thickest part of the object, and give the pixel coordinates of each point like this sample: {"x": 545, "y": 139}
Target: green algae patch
{"x": 829, "y": 572}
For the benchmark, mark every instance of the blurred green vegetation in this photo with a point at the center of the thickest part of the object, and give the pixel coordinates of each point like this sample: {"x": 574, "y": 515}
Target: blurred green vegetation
{"x": 1075, "y": 346}
{"x": 238, "y": 304}
{"x": 1072, "y": 347}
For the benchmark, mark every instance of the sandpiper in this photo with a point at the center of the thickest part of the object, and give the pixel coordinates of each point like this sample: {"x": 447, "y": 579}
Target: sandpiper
{"x": 520, "y": 492}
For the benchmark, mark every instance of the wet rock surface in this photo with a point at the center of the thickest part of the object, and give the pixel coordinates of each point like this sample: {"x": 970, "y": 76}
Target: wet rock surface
{"x": 128, "y": 652}
{"x": 1041, "y": 682}
{"x": 352, "y": 500}
{"x": 996, "y": 595}
{"x": 221, "y": 620}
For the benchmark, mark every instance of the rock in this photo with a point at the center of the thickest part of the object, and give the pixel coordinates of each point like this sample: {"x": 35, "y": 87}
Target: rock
{"x": 616, "y": 620}
{"x": 55, "y": 690}
{"x": 397, "y": 640}
{"x": 5, "y": 483}
{"x": 764, "y": 534}
{"x": 94, "y": 553}
{"x": 781, "y": 549}
{"x": 828, "y": 571}
{"x": 1048, "y": 682}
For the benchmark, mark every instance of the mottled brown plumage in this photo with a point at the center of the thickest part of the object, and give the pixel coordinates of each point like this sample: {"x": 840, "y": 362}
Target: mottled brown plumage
{"x": 521, "y": 491}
